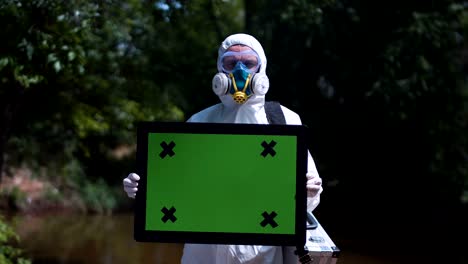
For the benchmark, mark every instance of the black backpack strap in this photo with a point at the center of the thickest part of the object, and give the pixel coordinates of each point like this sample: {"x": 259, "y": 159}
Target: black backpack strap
{"x": 276, "y": 116}
{"x": 274, "y": 113}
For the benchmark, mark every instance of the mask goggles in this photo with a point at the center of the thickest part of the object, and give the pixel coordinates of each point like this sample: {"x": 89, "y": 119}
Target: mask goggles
{"x": 248, "y": 58}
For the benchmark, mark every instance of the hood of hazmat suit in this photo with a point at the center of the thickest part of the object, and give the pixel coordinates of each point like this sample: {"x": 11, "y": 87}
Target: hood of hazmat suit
{"x": 229, "y": 111}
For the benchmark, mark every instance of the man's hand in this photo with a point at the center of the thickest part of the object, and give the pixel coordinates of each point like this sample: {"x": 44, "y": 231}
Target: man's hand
{"x": 130, "y": 184}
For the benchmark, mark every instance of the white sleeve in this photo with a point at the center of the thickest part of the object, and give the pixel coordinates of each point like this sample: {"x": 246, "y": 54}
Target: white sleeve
{"x": 293, "y": 119}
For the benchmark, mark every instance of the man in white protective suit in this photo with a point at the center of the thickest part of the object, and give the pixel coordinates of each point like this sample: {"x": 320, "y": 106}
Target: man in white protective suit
{"x": 241, "y": 84}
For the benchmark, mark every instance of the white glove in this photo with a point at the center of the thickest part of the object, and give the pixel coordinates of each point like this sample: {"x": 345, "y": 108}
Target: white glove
{"x": 314, "y": 188}
{"x": 314, "y": 185}
{"x": 130, "y": 184}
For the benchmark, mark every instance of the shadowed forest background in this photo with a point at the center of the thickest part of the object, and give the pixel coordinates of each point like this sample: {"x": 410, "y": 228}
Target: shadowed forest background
{"x": 382, "y": 85}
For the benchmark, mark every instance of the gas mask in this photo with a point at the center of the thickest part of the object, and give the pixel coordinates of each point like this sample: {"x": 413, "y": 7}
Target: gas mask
{"x": 239, "y": 77}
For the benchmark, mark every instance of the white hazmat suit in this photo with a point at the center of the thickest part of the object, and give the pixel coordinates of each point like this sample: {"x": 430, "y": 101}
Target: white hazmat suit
{"x": 252, "y": 112}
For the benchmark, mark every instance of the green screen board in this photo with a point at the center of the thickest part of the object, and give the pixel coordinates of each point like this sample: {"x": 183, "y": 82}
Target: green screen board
{"x": 221, "y": 183}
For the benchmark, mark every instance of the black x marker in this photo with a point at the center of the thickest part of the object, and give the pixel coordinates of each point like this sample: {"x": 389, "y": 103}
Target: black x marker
{"x": 167, "y": 149}
{"x": 268, "y": 148}
{"x": 268, "y": 219}
{"x": 168, "y": 214}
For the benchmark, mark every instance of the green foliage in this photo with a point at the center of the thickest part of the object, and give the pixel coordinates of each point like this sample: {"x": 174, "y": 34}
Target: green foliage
{"x": 16, "y": 197}
{"x": 9, "y": 252}
{"x": 77, "y": 76}
{"x": 40, "y": 46}
{"x": 98, "y": 197}
{"x": 83, "y": 76}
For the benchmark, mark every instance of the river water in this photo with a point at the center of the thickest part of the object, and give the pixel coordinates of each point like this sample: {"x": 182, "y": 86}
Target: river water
{"x": 90, "y": 239}
{"x": 108, "y": 239}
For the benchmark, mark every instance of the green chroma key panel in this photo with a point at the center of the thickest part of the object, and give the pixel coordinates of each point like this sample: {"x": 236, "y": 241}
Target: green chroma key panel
{"x": 221, "y": 183}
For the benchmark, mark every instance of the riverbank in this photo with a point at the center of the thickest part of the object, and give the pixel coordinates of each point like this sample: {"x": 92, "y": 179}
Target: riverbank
{"x": 21, "y": 192}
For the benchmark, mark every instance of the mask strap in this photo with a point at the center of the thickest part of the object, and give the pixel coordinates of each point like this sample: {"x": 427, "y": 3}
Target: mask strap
{"x": 246, "y": 82}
